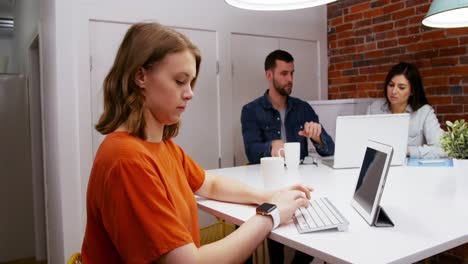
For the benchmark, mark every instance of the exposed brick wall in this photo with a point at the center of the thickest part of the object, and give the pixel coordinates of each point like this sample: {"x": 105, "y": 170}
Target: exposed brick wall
{"x": 366, "y": 38}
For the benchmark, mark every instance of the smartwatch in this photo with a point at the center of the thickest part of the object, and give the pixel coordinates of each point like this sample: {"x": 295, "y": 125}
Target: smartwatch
{"x": 270, "y": 210}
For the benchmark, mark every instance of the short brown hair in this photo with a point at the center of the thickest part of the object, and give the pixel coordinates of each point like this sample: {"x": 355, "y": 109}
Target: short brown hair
{"x": 281, "y": 55}
{"x": 144, "y": 45}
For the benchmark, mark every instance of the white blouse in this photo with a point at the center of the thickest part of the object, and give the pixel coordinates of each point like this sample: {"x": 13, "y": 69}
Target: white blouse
{"x": 424, "y": 129}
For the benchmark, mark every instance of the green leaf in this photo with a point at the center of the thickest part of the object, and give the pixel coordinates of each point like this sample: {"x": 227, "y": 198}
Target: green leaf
{"x": 454, "y": 142}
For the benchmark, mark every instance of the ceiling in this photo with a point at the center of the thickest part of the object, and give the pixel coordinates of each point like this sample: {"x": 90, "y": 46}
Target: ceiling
{"x": 6, "y": 17}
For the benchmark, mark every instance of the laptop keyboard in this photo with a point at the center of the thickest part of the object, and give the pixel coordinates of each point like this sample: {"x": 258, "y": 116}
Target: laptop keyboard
{"x": 320, "y": 215}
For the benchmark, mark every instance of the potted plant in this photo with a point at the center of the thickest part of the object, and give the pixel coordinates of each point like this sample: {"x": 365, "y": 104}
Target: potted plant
{"x": 455, "y": 142}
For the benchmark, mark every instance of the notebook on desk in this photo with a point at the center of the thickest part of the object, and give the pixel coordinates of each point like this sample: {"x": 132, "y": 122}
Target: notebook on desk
{"x": 352, "y": 133}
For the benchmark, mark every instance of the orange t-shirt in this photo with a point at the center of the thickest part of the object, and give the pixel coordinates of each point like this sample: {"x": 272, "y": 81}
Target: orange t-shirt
{"x": 140, "y": 201}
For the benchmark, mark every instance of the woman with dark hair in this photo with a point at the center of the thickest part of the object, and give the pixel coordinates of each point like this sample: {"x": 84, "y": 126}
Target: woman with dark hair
{"x": 404, "y": 93}
{"x": 140, "y": 201}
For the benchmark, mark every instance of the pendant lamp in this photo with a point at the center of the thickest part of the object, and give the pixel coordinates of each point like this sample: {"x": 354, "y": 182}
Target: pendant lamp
{"x": 447, "y": 14}
{"x": 276, "y": 5}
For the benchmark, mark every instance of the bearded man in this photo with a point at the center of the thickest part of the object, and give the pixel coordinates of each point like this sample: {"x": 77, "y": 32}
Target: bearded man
{"x": 276, "y": 117}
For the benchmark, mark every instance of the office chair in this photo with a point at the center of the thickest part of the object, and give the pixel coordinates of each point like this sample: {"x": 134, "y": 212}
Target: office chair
{"x": 75, "y": 258}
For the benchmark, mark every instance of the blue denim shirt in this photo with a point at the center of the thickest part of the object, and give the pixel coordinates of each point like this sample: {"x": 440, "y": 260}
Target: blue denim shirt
{"x": 261, "y": 124}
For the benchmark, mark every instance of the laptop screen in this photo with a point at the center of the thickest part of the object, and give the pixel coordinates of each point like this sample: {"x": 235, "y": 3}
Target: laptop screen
{"x": 369, "y": 178}
{"x": 352, "y": 133}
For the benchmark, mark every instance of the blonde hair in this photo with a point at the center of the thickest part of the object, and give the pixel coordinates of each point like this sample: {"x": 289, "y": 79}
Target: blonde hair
{"x": 144, "y": 45}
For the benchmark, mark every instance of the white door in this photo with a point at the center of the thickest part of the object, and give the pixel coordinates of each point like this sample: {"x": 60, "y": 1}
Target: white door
{"x": 199, "y": 126}
{"x": 306, "y": 67}
{"x": 199, "y": 133}
{"x": 16, "y": 189}
{"x": 248, "y": 75}
{"x": 248, "y": 80}
{"x": 105, "y": 38}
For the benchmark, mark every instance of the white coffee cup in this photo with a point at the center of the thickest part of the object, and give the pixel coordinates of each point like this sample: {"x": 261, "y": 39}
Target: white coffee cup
{"x": 272, "y": 170}
{"x": 291, "y": 152}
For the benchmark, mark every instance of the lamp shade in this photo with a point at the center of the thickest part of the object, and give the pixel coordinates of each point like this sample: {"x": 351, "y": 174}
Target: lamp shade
{"x": 276, "y": 5}
{"x": 447, "y": 14}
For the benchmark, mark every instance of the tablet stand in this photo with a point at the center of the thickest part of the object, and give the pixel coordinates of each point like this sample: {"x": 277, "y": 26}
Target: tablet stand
{"x": 382, "y": 219}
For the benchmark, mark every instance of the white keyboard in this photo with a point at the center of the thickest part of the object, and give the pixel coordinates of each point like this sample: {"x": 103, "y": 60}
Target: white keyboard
{"x": 320, "y": 215}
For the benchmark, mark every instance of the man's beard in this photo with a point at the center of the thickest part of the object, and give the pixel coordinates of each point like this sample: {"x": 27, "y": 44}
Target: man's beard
{"x": 281, "y": 89}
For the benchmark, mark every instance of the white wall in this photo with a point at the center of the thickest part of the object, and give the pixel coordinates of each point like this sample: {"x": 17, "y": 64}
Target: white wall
{"x": 65, "y": 72}
{"x": 58, "y": 50}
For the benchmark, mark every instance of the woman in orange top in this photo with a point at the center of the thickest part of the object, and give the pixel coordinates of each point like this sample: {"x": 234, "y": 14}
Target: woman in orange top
{"x": 140, "y": 200}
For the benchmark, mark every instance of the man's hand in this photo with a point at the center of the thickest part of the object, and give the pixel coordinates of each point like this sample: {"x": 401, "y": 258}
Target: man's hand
{"x": 313, "y": 131}
{"x": 275, "y": 146}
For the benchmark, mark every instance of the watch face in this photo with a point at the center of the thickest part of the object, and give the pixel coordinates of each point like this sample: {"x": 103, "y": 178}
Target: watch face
{"x": 265, "y": 208}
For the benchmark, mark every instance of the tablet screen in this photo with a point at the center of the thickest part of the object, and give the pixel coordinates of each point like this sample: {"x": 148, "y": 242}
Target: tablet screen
{"x": 369, "y": 178}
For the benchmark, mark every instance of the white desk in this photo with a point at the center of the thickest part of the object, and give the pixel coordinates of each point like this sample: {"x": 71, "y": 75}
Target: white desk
{"x": 429, "y": 211}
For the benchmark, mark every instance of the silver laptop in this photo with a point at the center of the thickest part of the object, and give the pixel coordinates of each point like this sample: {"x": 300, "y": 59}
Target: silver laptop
{"x": 353, "y": 132}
